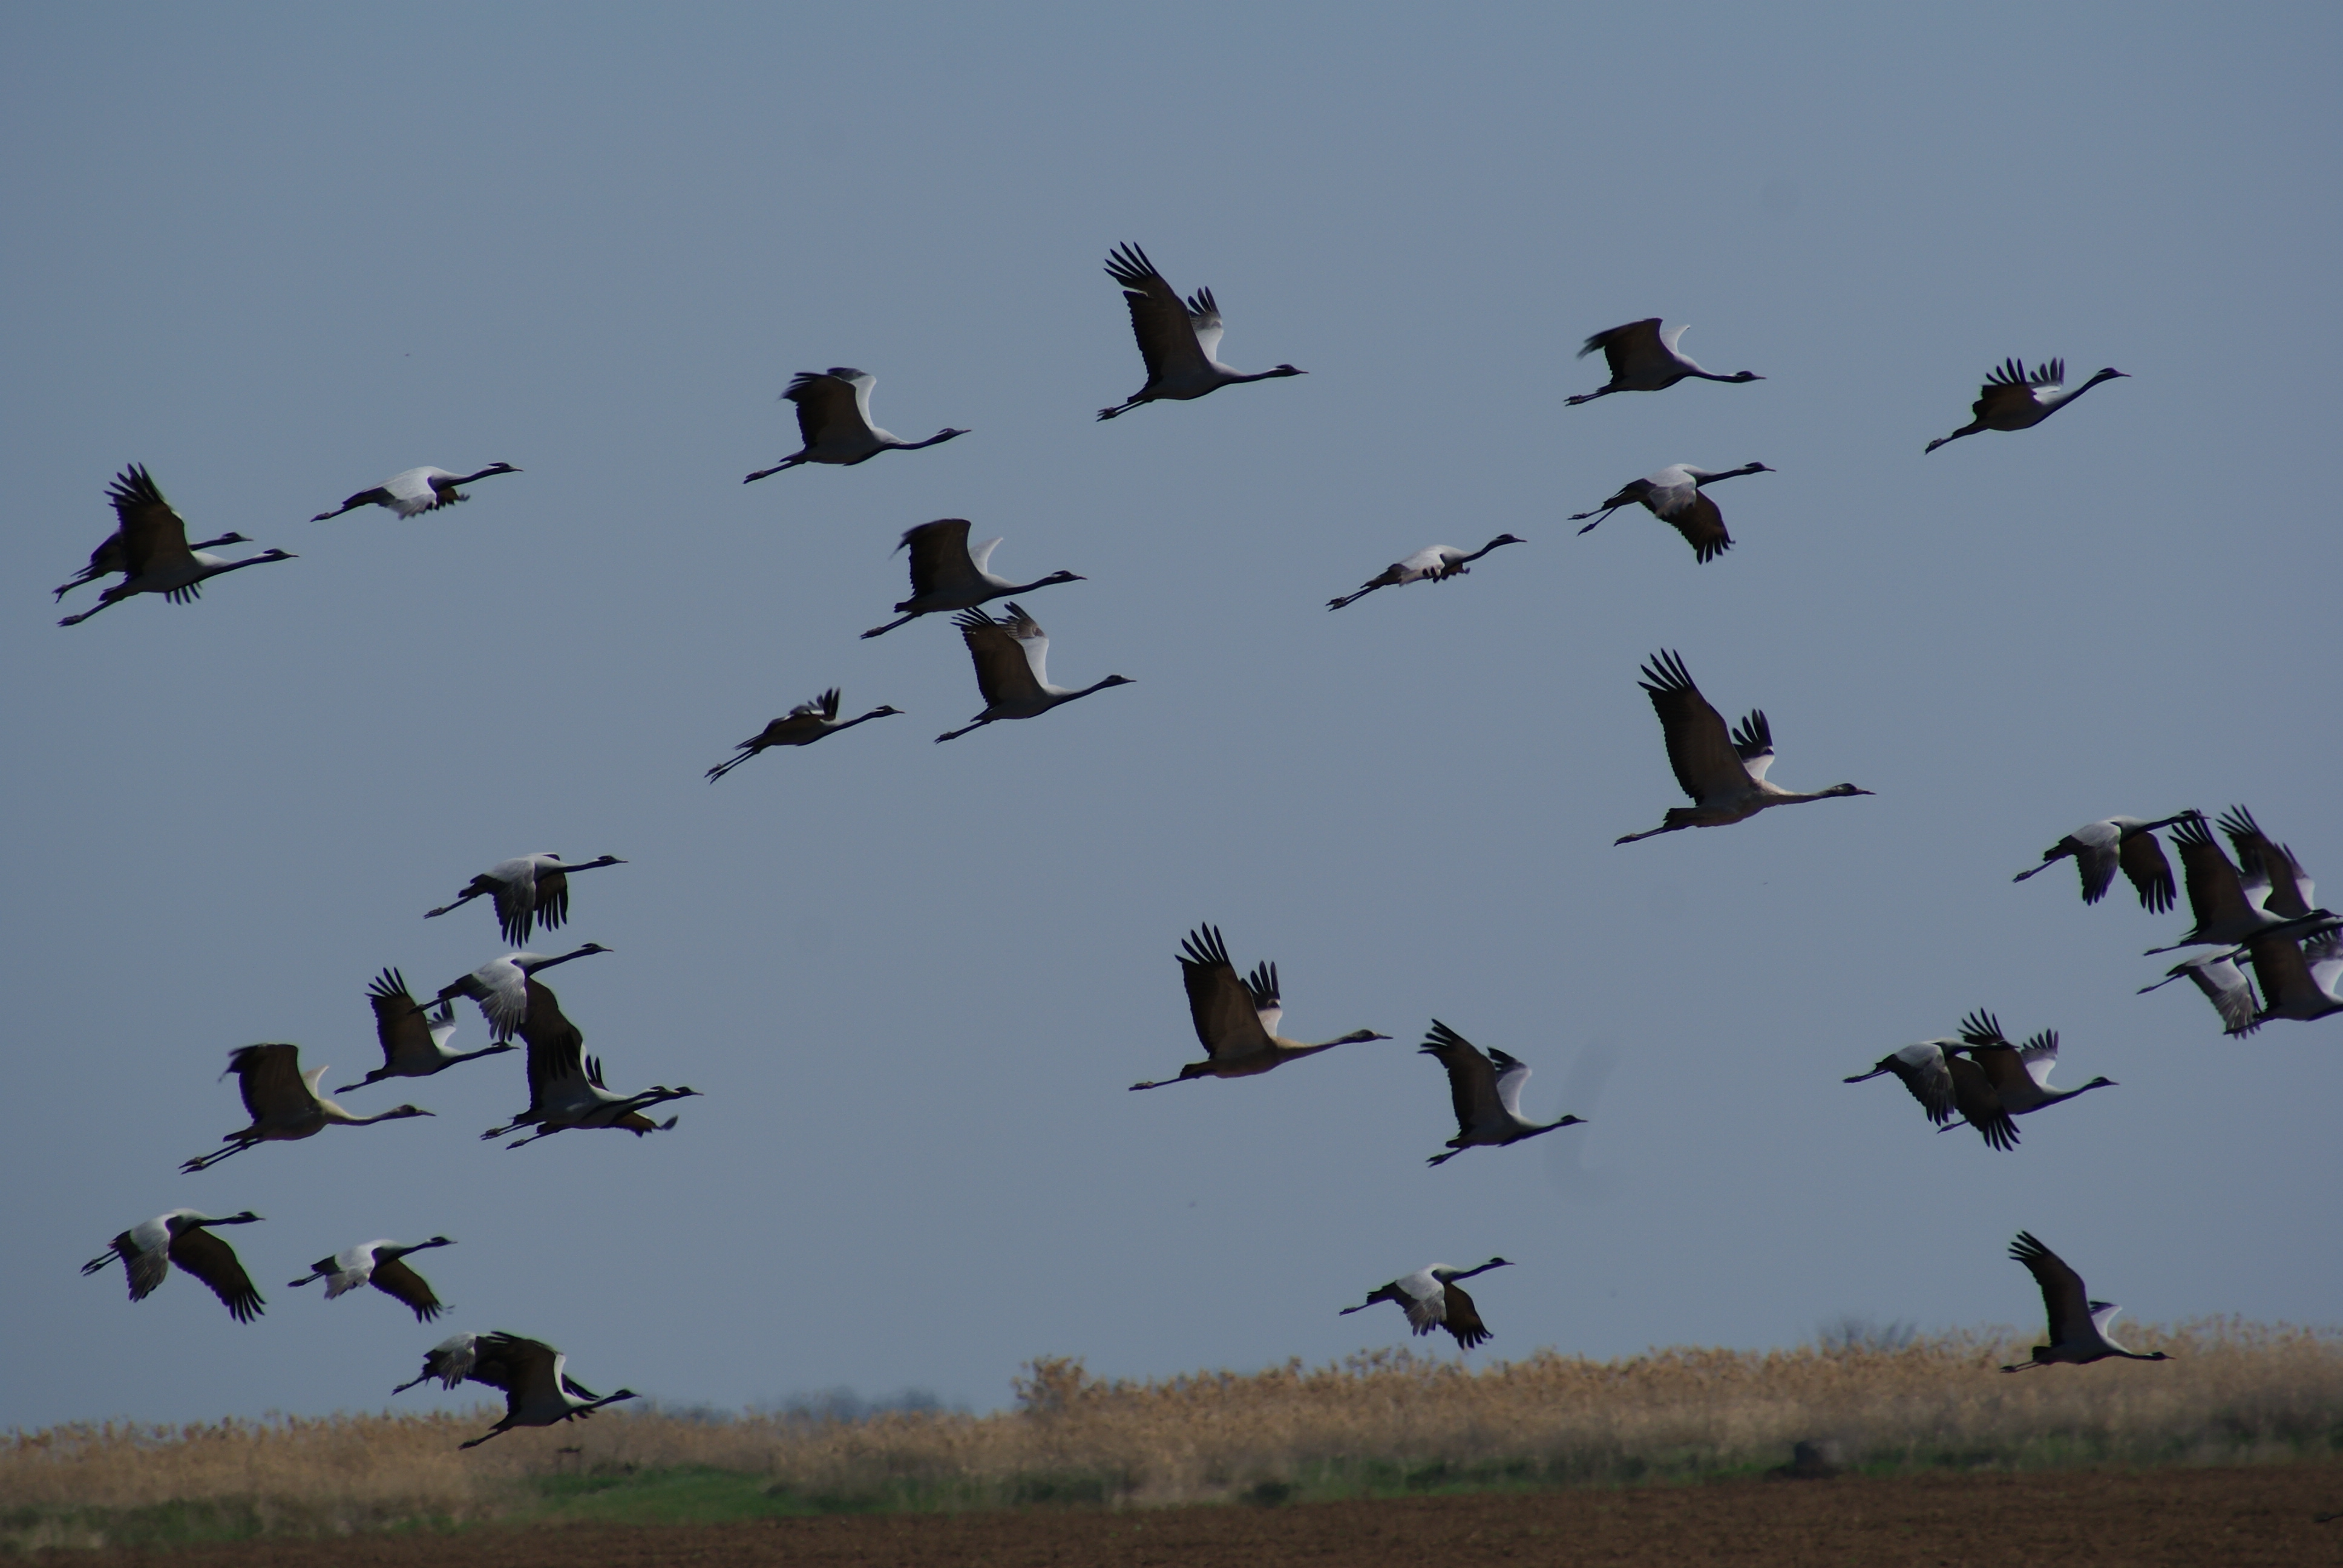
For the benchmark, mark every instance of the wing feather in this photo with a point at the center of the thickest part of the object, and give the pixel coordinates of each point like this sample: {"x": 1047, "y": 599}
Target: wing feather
{"x": 1464, "y": 1318}
{"x": 828, "y": 406}
{"x": 1159, "y": 320}
{"x": 1223, "y": 1008}
{"x": 2216, "y": 893}
{"x": 1627, "y": 347}
{"x": 1702, "y": 526}
{"x": 940, "y": 556}
{"x": 556, "y": 1047}
{"x": 396, "y": 1280}
{"x": 269, "y": 1079}
{"x": 1471, "y": 1078}
{"x": 1004, "y": 669}
{"x": 1699, "y": 748}
{"x": 151, "y": 532}
{"x": 1753, "y": 742}
{"x": 400, "y": 1025}
{"x": 2067, "y": 1303}
{"x": 2150, "y": 873}
{"x": 214, "y": 1262}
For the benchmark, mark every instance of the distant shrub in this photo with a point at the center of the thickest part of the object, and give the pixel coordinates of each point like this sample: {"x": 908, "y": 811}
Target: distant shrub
{"x": 1389, "y": 1422}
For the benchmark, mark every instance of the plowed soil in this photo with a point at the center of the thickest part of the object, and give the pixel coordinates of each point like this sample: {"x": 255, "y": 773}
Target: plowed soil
{"x": 2234, "y": 1518}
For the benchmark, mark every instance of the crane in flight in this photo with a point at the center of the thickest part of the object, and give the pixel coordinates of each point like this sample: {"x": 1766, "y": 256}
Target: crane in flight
{"x": 184, "y": 1236}
{"x": 834, "y": 422}
{"x": 1178, "y": 340}
{"x": 416, "y": 491}
{"x": 1433, "y": 563}
{"x": 1642, "y": 359}
{"x": 2079, "y": 1325}
{"x": 283, "y": 1103}
{"x": 149, "y": 547}
{"x": 2016, "y": 399}
{"x": 1676, "y": 496}
{"x": 1432, "y": 1299}
{"x": 1486, "y": 1092}
{"x": 1236, "y": 1019}
{"x": 1724, "y": 772}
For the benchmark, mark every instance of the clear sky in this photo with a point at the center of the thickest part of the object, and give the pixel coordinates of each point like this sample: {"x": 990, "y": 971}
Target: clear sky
{"x": 279, "y": 254}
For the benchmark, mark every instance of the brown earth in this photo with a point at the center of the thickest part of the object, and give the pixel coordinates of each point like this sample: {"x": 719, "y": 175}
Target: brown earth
{"x": 2235, "y": 1518}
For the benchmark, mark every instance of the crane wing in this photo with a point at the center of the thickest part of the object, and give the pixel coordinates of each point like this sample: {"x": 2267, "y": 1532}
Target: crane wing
{"x": 2216, "y": 893}
{"x": 1222, "y": 1007}
{"x": 2009, "y": 390}
{"x": 214, "y": 1262}
{"x": 1005, "y": 669}
{"x": 1703, "y": 754}
{"x": 2324, "y": 959}
{"x": 1753, "y": 742}
{"x": 829, "y": 406}
{"x": 544, "y": 894}
{"x": 941, "y": 559}
{"x": 556, "y": 1047}
{"x": 1979, "y": 1104}
{"x": 862, "y": 381}
{"x": 405, "y": 1032}
{"x": 1471, "y": 1078}
{"x": 528, "y": 1368}
{"x": 1031, "y": 641}
{"x": 2271, "y": 866}
{"x": 1268, "y": 997}
{"x": 146, "y": 1269}
{"x": 2040, "y": 1055}
{"x": 1513, "y": 1076}
{"x": 2279, "y": 965}
{"x": 151, "y": 532}
{"x": 401, "y": 1283}
{"x": 269, "y": 1079}
{"x": 2149, "y": 872}
{"x": 1702, "y": 526}
{"x": 2226, "y": 987}
{"x": 1982, "y": 1028}
{"x": 2064, "y": 1297}
{"x": 1204, "y": 319}
{"x": 1165, "y": 331}
{"x": 488, "y": 1362}
{"x": 1463, "y": 1319}
{"x": 1422, "y": 1299}
{"x": 1920, "y": 1069}
{"x": 2002, "y": 1065}
{"x": 1923, "y": 1069}
{"x": 451, "y": 1361}
{"x": 1635, "y": 345}
{"x": 415, "y": 492}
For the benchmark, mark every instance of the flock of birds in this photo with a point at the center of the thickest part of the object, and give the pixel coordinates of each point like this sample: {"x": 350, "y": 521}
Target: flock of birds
{"x": 2257, "y": 909}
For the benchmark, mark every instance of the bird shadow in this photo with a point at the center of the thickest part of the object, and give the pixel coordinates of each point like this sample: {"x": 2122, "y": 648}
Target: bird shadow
{"x": 1583, "y": 1083}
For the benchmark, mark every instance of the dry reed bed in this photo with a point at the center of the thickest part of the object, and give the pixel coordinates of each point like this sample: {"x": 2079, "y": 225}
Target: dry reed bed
{"x": 2234, "y": 1391}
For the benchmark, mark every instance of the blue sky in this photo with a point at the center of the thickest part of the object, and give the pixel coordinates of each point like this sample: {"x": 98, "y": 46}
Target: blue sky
{"x": 279, "y": 253}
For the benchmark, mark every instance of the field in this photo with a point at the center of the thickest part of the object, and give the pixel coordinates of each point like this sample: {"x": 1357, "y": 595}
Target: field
{"x": 2238, "y": 1518}
{"x": 2244, "y": 1425}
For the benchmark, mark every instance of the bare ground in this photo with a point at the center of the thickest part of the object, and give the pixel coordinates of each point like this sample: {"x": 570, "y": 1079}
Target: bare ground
{"x": 2234, "y": 1517}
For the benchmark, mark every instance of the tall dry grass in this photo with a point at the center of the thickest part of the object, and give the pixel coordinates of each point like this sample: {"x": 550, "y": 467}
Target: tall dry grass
{"x": 2234, "y": 1391}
